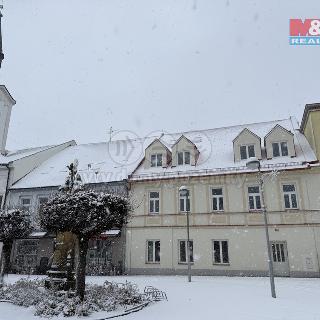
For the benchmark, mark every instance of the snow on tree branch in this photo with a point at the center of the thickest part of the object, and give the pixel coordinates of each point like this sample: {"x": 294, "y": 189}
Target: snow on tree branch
{"x": 14, "y": 224}
{"x": 86, "y": 213}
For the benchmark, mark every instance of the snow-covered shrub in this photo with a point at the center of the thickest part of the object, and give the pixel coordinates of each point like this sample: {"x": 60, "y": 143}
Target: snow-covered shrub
{"x": 127, "y": 293}
{"x": 61, "y": 303}
{"x": 24, "y": 292}
{"x": 48, "y": 303}
{"x": 14, "y": 224}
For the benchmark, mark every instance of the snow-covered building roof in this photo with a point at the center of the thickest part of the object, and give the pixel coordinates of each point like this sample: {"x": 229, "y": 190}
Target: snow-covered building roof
{"x": 217, "y": 155}
{"x": 123, "y": 159}
{"x": 19, "y": 154}
{"x": 98, "y": 162}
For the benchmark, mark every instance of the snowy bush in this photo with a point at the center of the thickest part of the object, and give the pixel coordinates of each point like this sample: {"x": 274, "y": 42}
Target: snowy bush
{"x": 14, "y": 224}
{"x": 47, "y": 303}
{"x": 126, "y": 293}
{"x": 24, "y": 292}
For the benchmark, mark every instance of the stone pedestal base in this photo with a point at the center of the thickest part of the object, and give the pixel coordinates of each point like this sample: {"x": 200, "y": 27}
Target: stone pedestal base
{"x": 60, "y": 280}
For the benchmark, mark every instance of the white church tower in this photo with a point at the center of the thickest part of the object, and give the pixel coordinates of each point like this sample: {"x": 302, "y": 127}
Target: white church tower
{"x": 6, "y": 104}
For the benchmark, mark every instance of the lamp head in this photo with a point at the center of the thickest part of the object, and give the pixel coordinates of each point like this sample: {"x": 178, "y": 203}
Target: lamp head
{"x": 253, "y": 164}
{"x": 184, "y": 191}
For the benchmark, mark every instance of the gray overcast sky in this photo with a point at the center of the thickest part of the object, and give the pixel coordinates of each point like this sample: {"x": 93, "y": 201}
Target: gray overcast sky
{"x": 78, "y": 67}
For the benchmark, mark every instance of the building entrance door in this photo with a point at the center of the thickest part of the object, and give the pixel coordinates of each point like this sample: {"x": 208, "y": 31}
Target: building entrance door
{"x": 280, "y": 258}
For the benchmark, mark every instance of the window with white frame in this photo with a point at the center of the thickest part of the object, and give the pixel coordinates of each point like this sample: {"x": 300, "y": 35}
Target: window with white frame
{"x": 220, "y": 251}
{"x": 290, "y": 196}
{"x": 217, "y": 199}
{"x": 184, "y": 202}
{"x": 254, "y": 198}
{"x": 25, "y": 203}
{"x": 183, "y": 157}
{"x": 247, "y": 151}
{"x": 154, "y": 202}
{"x": 280, "y": 149}
{"x": 183, "y": 251}
{"x": 156, "y": 160}
{"x": 153, "y": 251}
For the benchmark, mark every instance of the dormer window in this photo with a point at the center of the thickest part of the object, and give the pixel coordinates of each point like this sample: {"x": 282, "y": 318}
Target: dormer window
{"x": 183, "y": 157}
{"x": 156, "y": 160}
{"x": 247, "y": 152}
{"x": 157, "y": 154}
{"x": 246, "y": 145}
{"x": 280, "y": 149}
{"x": 184, "y": 152}
{"x": 279, "y": 142}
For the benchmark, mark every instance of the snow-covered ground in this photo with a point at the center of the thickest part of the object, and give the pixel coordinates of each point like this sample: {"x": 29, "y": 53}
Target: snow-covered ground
{"x": 212, "y": 298}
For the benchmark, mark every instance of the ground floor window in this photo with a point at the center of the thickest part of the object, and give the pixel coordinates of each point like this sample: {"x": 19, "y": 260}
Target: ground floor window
{"x": 27, "y": 252}
{"x": 183, "y": 251}
{"x": 153, "y": 251}
{"x": 99, "y": 257}
{"x": 278, "y": 252}
{"x": 220, "y": 251}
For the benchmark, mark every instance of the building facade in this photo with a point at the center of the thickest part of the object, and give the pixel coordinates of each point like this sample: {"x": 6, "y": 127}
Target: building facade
{"x": 226, "y": 221}
{"x": 35, "y": 254}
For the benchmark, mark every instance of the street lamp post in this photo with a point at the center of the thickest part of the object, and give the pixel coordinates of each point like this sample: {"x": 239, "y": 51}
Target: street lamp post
{"x": 184, "y": 192}
{"x": 255, "y": 164}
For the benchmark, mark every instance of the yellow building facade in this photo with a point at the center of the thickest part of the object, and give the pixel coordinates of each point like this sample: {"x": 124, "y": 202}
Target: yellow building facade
{"x": 226, "y": 221}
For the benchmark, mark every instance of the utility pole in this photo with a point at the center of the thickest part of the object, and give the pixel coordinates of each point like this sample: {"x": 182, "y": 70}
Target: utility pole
{"x": 184, "y": 192}
{"x": 255, "y": 164}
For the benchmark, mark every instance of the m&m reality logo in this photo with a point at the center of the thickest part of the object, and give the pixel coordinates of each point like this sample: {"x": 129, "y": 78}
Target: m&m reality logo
{"x": 304, "y": 32}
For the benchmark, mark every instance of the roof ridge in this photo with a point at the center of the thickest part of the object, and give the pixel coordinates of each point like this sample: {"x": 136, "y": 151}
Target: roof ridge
{"x": 119, "y": 140}
{"x": 183, "y": 132}
{"x": 234, "y": 126}
{"x": 15, "y": 152}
